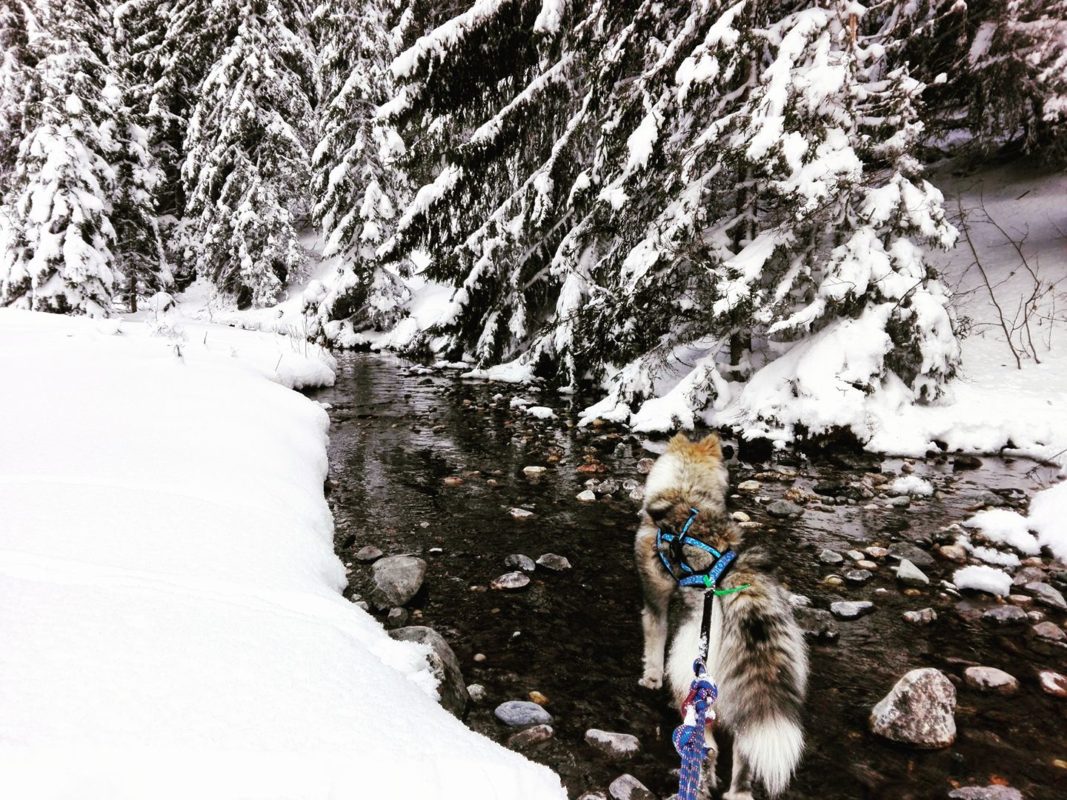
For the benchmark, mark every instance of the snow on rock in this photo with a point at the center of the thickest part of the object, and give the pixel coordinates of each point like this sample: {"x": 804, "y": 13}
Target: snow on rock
{"x": 170, "y": 602}
{"x": 981, "y": 578}
{"x": 911, "y": 485}
{"x": 541, "y": 412}
{"x": 1003, "y": 526}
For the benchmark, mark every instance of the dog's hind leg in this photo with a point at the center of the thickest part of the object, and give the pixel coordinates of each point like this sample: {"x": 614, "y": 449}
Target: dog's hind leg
{"x": 709, "y": 781}
{"x": 741, "y": 780}
{"x": 654, "y": 626}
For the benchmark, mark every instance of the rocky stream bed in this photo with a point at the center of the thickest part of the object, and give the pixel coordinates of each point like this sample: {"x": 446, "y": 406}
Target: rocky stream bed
{"x": 515, "y": 533}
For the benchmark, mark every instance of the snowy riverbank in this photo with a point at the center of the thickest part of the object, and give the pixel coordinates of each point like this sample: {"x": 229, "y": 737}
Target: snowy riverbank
{"x": 170, "y": 602}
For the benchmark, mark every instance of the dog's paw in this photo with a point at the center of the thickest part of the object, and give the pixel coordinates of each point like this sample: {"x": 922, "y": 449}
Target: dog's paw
{"x": 651, "y": 681}
{"x": 737, "y": 796}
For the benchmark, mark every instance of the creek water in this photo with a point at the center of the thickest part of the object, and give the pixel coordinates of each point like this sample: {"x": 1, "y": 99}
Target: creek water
{"x": 399, "y": 431}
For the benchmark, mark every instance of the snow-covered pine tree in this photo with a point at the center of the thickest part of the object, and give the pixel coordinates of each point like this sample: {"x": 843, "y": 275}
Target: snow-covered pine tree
{"x": 17, "y": 25}
{"x": 59, "y": 254}
{"x": 247, "y": 166}
{"x": 713, "y": 184}
{"x": 356, "y": 183}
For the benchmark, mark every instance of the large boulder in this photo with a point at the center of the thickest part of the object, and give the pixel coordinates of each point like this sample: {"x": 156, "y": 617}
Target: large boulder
{"x": 443, "y": 663}
{"x": 396, "y": 579}
{"x": 918, "y": 711}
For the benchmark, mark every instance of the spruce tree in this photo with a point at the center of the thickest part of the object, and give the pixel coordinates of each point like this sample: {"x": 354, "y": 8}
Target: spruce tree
{"x": 247, "y": 165}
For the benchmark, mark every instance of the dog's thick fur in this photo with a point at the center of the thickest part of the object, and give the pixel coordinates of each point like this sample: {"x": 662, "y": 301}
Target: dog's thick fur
{"x": 757, "y": 654}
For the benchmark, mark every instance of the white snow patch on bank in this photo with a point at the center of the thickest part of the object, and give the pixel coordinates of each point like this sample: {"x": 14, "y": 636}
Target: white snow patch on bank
{"x": 912, "y": 485}
{"x": 541, "y": 412}
{"x": 981, "y": 578}
{"x": 1003, "y": 526}
{"x": 170, "y": 602}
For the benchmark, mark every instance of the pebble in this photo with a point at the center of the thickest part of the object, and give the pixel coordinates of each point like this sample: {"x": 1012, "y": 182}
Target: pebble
{"x": 740, "y": 516}
{"x": 1047, "y": 595}
{"x": 396, "y": 580}
{"x": 799, "y": 600}
{"x": 511, "y": 581}
{"x": 851, "y": 609}
{"x": 644, "y": 466}
{"x": 749, "y": 486}
{"x": 519, "y": 561}
{"x": 397, "y": 617}
{"x": 554, "y": 562}
{"x": 536, "y": 697}
{"x": 924, "y": 616}
{"x": 990, "y": 679}
{"x": 831, "y": 557}
{"x": 919, "y": 710}
{"x": 531, "y": 737}
{"x": 911, "y": 575}
{"x": 962, "y": 462}
{"x": 520, "y": 713}
{"x": 452, "y": 480}
{"x": 616, "y": 746}
{"x": 901, "y": 501}
{"x": 1004, "y": 615}
{"x": 479, "y": 658}
{"x": 586, "y": 496}
{"x": 833, "y": 580}
{"x": 534, "y": 471}
{"x": 1049, "y": 631}
{"x": 783, "y": 509}
{"x": 627, "y": 787}
{"x": 956, "y": 553}
{"x": 477, "y": 692}
{"x": 916, "y": 556}
{"x": 1028, "y": 575}
{"x": 858, "y": 577}
{"x": 992, "y": 792}
{"x": 1053, "y": 683}
{"x": 876, "y": 552}
{"x": 520, "y": 513}
{"x": 368, "y": 554}
{"x": 865, "y": 564}
{"x": 1021, "y": 600}
{"x": 856, "y": 555}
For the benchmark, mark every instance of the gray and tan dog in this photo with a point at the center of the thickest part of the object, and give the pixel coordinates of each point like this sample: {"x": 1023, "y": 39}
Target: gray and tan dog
{"x": 757, "y": 654}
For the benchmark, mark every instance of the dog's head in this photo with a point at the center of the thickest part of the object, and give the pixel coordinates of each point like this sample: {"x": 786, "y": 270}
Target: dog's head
{"x": 690, "y": 474}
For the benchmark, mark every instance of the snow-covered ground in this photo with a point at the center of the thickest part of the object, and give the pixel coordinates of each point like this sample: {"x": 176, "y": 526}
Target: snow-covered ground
{"x": 171, "y": 616}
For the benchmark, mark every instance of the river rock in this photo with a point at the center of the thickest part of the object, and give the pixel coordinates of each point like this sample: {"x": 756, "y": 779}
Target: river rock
{"x": 368, "y": 554}
{"x": 1004, "y": 615}
{"x": 397, "y": 617}
{"x": 799, "y": 600}
{"x": 443, "y": 664}
{"x": 990, "y": 679}
{"x": 1053, "y": 683}
{"x": 617, "y": 746}
{"x": 530, "y": 737}
{"x": 831, "y": 557}
{"x": 1049, "y": 631}
{"x": 519, "y": 561}
{"x": 911, "y": 575}
{"x": 1047, "y": 595}
{"x": 783, "y": 509}
{"x": 876, "y": 552}
{"x": 586, "y": 496}
{"x": 521, "y": 713}
{"x": 520, "y": 513}
{"x": 851, "y": 609}
{"x": 593, "y": 796}
{"x": 857, "y": 577}
{"x": 511, "y": 581}
{"x": 1028, "y": 575}
{"x": 644, "y": 466}
{"x": 396, "y": 580}
{"x": 919, "y": 711}
{"x": 749, "y": 486}
{"x": 817, "y": 623}
{"x": 991, "y": 792}
{"x": 534, "y": 471}
{"x": 924, "y": 616}
{"x": 740, "y": 516}
{"x": 627, "y": 787}
{"x": 553, "y": 562}
{"x": 955, "y": 553}
{"x": 477, "y": 693}
{"x": 915, "y": 555}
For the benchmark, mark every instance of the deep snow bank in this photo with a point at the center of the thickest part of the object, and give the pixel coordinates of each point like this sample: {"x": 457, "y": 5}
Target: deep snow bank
{"x": 170, "y": 605}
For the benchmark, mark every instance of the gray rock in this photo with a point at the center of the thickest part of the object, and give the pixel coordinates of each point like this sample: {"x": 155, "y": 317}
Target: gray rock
{"x": 991, "y": 792}
{"x": 900, "y": 501}
{"x": 534, "y": 471}
{"x": 851, "y": 609}
{"x": 511, "y": 581}
{"x": 1028, "y": 575}
{"x": 477, "y": 692}
{"x": 1049, "y": 631}
{"x": 1047, "y": 595}
{"x": 368, "y": 554}
{"x": 817, "y": 623}
{"x": 918, "y": 711}
{"x": 783, "y": 509}
{"x": 831, "y": 557}
{"x": 627, "y": 787}
{"x": 396, "y": 580}
{"x": 530, "y": 737}
{"x": 915, "y": 555}
{"x": 923, "y": 616}
{"x": 553, "y": 562}
{"x": 1004, "y": 615}
{"x": 520, "y": 513}
{"x": 397, "y": 617}
{"x": 519, "y": 561}
{"x": 586, "y": 496}
{"x": 443, "y": 664}
{"x": 911, "y": 575}
{"x": 749, "y": 486}
{"x": 857, "y": 577}
{"x": 740, "y": 516}
{"x": 521, "y": 713}
{"x": 644, "y": 466}
{"x": 1052, "y": 683}
{"x": 799, "y": 600}
{"x": 990, "y": 679}
{"x": 617, "y": 746}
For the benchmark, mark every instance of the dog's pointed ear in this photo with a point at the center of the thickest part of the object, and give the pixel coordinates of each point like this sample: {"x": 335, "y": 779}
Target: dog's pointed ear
{"x": 710, "y": 444}
{"x": 678, "y": 443}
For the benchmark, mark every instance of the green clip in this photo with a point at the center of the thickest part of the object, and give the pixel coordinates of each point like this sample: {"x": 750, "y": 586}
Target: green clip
{"x": 721, "y": 592}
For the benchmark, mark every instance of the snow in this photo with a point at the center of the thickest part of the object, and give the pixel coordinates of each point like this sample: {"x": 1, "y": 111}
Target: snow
{"x": 170, "y": 602}
{"x": 550, "y": 16}
{"x": 541, "y": 412}
{"x": 981, "y": 578}
{"x": 911, "y": 484}
{"x": 1003, "y": 526}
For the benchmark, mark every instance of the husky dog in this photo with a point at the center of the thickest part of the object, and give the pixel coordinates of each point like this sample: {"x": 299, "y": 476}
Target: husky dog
{"x": 756, "y": 653}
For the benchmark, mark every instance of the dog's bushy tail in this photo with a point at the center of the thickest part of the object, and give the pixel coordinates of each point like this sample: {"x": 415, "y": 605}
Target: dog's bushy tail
{"x": 763, "y": 671}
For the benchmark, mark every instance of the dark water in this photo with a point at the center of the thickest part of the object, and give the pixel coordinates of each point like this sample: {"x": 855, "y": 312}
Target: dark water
{"x": 575, "y": 636}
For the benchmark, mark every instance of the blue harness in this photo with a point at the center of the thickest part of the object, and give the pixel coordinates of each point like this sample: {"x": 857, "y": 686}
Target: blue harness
{"x": 690, "y": 577}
